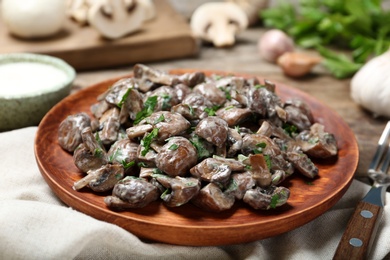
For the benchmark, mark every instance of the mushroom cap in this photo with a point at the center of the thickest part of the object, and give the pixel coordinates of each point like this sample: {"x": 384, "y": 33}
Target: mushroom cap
{"x": 218, "y": 22}
{"x": 121, "y": 21}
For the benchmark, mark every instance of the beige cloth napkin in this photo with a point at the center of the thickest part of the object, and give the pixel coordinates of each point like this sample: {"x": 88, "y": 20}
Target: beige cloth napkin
{"x": 35, "y": 224}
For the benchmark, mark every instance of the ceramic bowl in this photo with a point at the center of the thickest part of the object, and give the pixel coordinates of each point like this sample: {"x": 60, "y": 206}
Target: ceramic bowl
{"x": 30, "y": 85}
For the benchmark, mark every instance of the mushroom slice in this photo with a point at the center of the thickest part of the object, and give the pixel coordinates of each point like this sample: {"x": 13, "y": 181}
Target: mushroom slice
{"x": 234, "y": 115}
{"x": 210, "y": 91}
{"x": 192, "y": 79}
{"x": 119, "y": 90}
{"x": 110, "y": 126}
{"x": 212, "y": 198}
{"x": 257, "y": 143}
{"x": 131, "y": 106}
{"x": 179, "y": 190}
{"x": 216, "y": 170}
{"x": 113, "y": 19}
{"x": 99, "y": 108}
{"x": 132, "y": 192}
{"x": 138, "y": 130}
{"x": 218, "y": 22}
{"x": 102, "y": 179}
{"x": 235, "y": 142}
{"x": 317, "y": 143}
{"x": 144, "y": 72}
{"x": 90, "y": 154}
{"x": 263, "y": 101}
{"x": 302, "y": 163}
{"x": 166, "y": 98}
{"x": 168, "y": 124}
{"x": 240, "y": 183}
{"x": 269, "y": 198}
{"x": 69, "y": 131}
{"x": 176, "y": 157}
{"x": 123, "y": 152}
{"x": 298, "y": 114}
{"x": 213, "y": 129}
{"x": 260, "y": 170}
{"x": 271, "y": 130}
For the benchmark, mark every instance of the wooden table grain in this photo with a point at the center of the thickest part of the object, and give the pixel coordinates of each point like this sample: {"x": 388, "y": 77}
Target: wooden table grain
{"x": 244, "y": 58}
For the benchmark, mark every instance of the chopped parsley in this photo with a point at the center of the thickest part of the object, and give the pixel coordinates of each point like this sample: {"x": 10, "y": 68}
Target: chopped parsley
{"x": 201, "y": 149}
{"x": 260, "y": 148}
{"x": 127, "y": 165}
{"x": 268, "y": 161}
{"x": 98, "y": 153}
{"x": 173, "y": 147}
{"x": 147, "y": 140}
{"x": 166, "y": 99}
{"x": 259, "y": 86}
{"x": 148, "y": 109}
{"x": 157, "y": 171}
{"x": 124, "y": 97}
{"x": 211, "y": 111}
{"x": 165, "y": 193}
{"x": 141, "y": 164}
{"x": 227, "y": 93}
{"x": 161, "y": 118}
{"x": 274, "y": 201}
{"x": 290, "y": 129}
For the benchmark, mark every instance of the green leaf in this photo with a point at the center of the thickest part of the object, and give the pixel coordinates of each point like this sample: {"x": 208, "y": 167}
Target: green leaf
{"x": 200, "y": 146}
{"x": 173, "y": 147}
{"x": 124, "y": 97}
{"x": 274, "y": 201}
{"x": 147, "y": 140}
{"x": 147, "y": 110}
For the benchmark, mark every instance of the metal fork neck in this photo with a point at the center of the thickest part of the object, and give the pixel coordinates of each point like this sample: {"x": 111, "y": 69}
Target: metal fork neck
{"x": 376, "y": 195}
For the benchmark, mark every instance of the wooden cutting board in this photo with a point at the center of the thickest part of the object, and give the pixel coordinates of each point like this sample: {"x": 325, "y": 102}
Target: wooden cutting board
{"x": 168, "y": 36}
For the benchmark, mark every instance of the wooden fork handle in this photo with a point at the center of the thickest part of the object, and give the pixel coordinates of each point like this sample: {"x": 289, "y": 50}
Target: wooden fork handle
{"x": 360, "y": 232}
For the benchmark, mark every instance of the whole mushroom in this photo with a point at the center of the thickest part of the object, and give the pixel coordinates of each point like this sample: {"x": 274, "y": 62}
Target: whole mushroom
{"x": 218, "y": 22}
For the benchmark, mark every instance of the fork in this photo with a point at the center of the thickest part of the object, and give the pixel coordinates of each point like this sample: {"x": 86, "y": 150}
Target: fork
{"x": 360, "y": 233}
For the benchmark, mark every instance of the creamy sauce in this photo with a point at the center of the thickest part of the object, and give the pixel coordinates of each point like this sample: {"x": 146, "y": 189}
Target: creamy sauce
{"x": 25, "y": 78}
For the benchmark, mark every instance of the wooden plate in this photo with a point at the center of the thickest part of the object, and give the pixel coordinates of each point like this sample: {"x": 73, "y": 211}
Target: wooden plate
{"x": 189, "y": 225}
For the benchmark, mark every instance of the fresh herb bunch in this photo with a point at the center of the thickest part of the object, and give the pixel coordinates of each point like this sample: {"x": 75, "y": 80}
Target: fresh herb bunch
{"x": 361, "y": 26}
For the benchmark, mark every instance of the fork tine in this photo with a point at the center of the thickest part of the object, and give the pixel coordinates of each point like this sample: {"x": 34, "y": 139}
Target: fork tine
{"x": 386, "y": 162}
{"x": 381, "y": 149}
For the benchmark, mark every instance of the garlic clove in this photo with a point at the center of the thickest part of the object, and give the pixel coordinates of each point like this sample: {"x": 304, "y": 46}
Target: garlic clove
{"x": 370, "y": 86}
{"x": 297, "y": 64}
{"x": 274, "y": 43}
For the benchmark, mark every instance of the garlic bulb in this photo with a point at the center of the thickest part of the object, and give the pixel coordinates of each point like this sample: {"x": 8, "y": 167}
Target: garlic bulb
{"x": 370, "y": 86}
{"x": 273, "y": 43}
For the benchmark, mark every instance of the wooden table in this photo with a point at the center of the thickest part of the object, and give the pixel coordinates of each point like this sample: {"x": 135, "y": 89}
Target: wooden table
{"x": 244, "y": 58}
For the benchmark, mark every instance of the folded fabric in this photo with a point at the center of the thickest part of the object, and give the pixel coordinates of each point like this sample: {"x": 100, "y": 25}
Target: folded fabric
{"x": 35, "y": 224}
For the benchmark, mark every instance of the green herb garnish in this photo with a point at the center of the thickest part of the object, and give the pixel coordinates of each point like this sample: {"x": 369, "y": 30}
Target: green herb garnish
{"x": 274, "y": 201}
{"x": 98, "y": 153}
{"x": 173, "y": 147}
{"x": 124, "y": 97}
{"x": 211, "y": 111}
{"x": 147, "y": 140}
{"x": 161, "y": 118}
{"x": 360, "y": 26}
{"x": 166, "y": 99}
{"x": 148, "y": 109}
{"x": 127, "y": 165}
{"x": 201, "y": 149}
